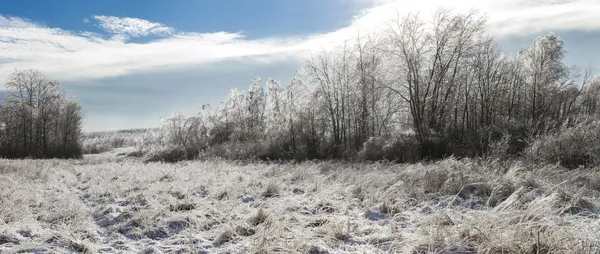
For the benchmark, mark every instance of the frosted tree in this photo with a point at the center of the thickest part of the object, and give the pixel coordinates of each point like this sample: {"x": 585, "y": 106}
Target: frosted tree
{"x": 546, "y": 76}
{"x": 179, "y": 130}
{"x": 591, "y": 97}
{"x": 255, "y": 99}
{"x": 331, "y": 74}
{"x": 40, "y": 121}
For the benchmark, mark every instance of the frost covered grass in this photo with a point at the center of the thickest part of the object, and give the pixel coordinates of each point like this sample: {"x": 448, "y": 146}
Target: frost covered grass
{"x": 121, "y": 205}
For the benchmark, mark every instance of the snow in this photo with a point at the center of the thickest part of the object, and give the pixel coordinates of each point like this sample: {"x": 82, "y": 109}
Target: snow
{"x": 110, "y": 204}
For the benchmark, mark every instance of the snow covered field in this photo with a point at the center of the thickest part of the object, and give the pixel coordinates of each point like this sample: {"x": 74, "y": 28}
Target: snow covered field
{"x": 112, "y": 204}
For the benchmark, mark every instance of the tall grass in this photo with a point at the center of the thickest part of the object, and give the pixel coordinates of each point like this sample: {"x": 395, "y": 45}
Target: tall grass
{"x": 473, "y": 206}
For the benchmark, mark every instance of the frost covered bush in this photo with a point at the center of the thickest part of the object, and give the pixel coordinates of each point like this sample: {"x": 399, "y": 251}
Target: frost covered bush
{"x": 167, "y": 154}
{"x": 237, "y": 151}
{"x": 90, "y": 147}
{"x": 99, "y": 142}
{"x": 572, "y": 147}
{"x": 400, "y": 148}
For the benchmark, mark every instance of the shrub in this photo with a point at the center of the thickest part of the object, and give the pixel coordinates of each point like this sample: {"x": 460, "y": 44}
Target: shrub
{"x": 434, "y": 149}
{"x": 192, "y": 151}
{"x": 250, "y": 150}
{"x": 500, "y": 149}
{"x": 502, "y": 140}
{"x": 99, "y": 142}
{"x": 572, "y": 147}
{"x": 95, "y": 148}
{"x": 236, "y": 150}
{"x": 168, "y": 154}
{"x": 518, "y": 140}
{"x": 400, "y": 148}
{"x": 135, "y": 154}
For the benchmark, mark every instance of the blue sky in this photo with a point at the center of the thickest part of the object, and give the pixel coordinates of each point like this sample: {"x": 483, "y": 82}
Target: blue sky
{"x": 131, "y": 62}
{"x": 257, "y": 18}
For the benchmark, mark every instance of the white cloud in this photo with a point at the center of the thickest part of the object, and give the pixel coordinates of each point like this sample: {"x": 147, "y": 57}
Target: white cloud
{"x": 522, "y": 17}
{"x": 506, "y": 17}
{"x": 84, "y": 55}
{"x": 133, "y": 27}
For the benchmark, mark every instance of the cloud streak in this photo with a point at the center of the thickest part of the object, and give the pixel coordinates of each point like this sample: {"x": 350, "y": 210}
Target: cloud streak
{"x": 80, "y": 56}
{"x": 132, "y": 27}
{"x": 505, "y": 17}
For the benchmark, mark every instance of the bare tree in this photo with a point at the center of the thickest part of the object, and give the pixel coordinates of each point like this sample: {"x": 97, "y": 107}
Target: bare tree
{"x": 38, "y": 120}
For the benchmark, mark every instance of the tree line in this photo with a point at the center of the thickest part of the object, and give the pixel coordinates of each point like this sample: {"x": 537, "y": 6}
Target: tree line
{"x": 37, "y": 119}
{"x": 425, "y": 87}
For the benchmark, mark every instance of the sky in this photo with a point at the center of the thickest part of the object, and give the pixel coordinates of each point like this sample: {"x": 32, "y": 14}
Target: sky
{"x": 132, "y": 62}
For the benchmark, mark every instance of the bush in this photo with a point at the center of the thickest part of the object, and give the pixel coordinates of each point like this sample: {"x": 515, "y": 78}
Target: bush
{"x": 135, "y": 154}
{"x": 95, "y": 148}
{"x": 168, "y": 154}
{"x": 502, "y": 140}
{"x": 263, "y": 150}
{"x": 400, "y": 148}
{"x": 434, "y": 149}
{"x": 517, "y": 143}
{"x": 571, "y": 147}
{"x": 100, "y": 142}
{"x": 237, "y": 150}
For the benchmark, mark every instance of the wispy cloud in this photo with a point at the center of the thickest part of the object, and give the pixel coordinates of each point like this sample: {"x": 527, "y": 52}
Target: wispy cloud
{"x": 522, "y": 17}
{"x": 132, "y": 27}
{"x": 505, "y": 17}
{"x": 73, "y": 56}
{"x": 82, "y": 55}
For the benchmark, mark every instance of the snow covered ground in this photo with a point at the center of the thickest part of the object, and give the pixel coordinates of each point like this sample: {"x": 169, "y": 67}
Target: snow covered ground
{"x": 112, "y": 204}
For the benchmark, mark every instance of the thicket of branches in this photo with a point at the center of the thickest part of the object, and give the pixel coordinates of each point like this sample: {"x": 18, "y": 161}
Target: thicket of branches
{"x": 37, "y": 119}
{"x": 103, "y": 141}
{"x": 422, "y": 89}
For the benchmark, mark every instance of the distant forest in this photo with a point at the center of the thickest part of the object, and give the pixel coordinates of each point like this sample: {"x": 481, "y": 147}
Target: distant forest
{"x": 423, "y": 89}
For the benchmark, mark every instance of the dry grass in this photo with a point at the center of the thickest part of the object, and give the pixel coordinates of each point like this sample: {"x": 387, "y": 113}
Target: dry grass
{"x": 124, "y": 206}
